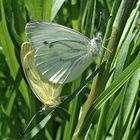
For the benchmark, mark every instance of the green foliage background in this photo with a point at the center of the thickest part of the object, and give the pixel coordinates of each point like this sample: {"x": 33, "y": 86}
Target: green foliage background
{"x": 109, "y": 107}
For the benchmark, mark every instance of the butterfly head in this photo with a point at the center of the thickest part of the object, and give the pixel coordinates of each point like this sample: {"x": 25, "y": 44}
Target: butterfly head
{"x": 96, "y": 44}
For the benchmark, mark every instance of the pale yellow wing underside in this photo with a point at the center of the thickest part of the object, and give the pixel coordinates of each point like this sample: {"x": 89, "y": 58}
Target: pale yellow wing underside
{"x": 47, "y": 92}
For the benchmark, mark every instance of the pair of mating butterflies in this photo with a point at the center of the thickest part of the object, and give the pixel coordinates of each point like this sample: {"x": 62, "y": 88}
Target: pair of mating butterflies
{"x": 55, "y": 55}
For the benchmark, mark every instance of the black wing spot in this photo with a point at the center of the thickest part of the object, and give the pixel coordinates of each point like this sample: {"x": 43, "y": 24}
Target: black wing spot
{"x": 49, "y": 44}
{"x": 45, "y": 42}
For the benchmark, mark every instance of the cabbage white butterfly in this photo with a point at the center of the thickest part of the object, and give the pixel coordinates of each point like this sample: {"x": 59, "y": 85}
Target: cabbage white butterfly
{"x": 60, "y": 53}
{"x": 47, "y": 92}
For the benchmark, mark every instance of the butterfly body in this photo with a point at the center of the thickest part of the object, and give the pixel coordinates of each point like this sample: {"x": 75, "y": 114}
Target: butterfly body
{"x": 60, "y": 53}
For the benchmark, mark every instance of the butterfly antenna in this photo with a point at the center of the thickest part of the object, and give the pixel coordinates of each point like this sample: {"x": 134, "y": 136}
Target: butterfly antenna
{"x": 23, "y": 132}
{"x": 99, "y": 24}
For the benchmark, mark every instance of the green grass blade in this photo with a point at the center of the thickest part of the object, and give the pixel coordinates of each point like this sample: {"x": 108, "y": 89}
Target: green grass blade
{"x": 37, "y": 128}
{"x": 57, "y": 4}
{"x": 8, "y": 50}
{"x": 127, "y": 106}
{"x": 109, "y": 92}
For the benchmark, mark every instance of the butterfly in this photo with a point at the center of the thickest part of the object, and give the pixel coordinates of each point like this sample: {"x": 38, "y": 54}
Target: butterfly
{"x": 61, "y": 54}
{"x": 47, "y": 92}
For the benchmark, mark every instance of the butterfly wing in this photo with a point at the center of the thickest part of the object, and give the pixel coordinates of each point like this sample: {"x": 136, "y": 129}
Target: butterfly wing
{"x": 46, "y": 92}
{"x": 40, "y": 32}
{"x": 61, "y": 54}
{"x": 61, "y": 63}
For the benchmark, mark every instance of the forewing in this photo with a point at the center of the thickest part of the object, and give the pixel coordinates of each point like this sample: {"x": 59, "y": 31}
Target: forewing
{"x": 40, "y": 32}
{"x": 61, "y": 54}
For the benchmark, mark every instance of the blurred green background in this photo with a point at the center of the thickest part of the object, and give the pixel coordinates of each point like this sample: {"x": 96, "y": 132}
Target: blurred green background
{"x": 109, "y": 107}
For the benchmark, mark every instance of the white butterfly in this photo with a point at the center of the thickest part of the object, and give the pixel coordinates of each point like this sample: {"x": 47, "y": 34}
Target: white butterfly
{"x": 61, "y": 54}
{"x": 47, "y": 92}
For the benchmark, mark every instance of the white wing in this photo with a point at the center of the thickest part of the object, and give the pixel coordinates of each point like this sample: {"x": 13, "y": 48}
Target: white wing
{"x": 39, "y": 32}
{"x": 61, "y": 54}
